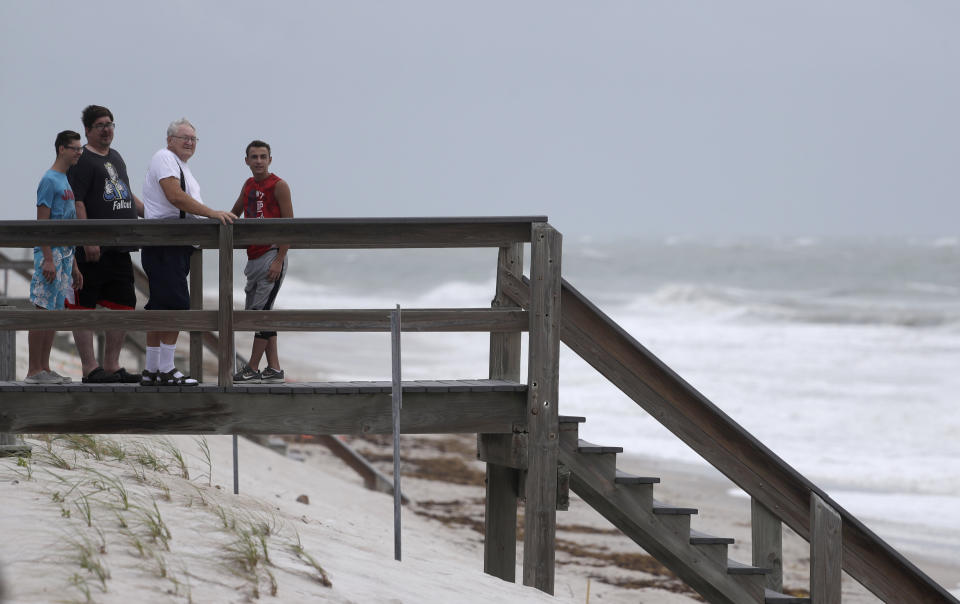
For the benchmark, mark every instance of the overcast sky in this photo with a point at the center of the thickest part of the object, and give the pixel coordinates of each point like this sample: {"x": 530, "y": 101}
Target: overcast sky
{"x": 612, "y": 118}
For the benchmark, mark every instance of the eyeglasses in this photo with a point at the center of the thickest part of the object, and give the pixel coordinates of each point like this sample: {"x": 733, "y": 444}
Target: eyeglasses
{"x": 75, "y": 148}
{"x": 186, "y": 139}
{"x": 105, "y": 126}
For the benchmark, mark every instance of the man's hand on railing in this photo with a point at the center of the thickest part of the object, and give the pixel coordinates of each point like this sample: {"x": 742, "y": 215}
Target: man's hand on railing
{"x": 225, "y": 217}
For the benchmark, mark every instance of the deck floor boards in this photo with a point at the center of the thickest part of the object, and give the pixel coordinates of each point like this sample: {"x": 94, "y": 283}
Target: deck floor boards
{"x": 354, "y": 407}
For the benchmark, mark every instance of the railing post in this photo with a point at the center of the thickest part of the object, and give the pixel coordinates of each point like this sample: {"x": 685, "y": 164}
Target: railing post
{"x": 9, "y": 444}
{"x": 500, "y": 517}
{"x": 225, "y": 353}
{"x": 767, "y": 533}
{"x": 540, "y": 490}
{"x": 826, "y": 552}
{"x": 196, "y": 303}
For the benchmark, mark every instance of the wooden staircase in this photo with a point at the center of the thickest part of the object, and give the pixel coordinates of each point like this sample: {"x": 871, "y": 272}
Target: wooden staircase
{"x": 662, "y": 530}
{"x": 839, "y": 542}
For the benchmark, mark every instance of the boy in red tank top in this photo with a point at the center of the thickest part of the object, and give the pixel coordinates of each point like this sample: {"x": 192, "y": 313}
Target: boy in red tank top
{"x": 264, "y": 195}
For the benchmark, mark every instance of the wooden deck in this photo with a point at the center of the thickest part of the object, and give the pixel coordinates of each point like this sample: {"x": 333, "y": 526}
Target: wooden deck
{"x": 438, "y": 406}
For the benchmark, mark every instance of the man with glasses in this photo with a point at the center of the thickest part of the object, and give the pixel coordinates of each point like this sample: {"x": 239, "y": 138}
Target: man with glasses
{"x": 54, "y": 268}
{"x": 171, "y": 191}
{"x": 102, "y": 189}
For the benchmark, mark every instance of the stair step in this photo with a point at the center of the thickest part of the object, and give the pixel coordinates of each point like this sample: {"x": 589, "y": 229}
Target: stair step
{"x": 624, "y": 478}
{"x": 775, "y": 597}
{"x": 698, "y": 538}
{"x": 669, "y": 510}
{"x": 585, "y": 447}
{"x": 571, "y": 419}
{"x": 738, "y": 568}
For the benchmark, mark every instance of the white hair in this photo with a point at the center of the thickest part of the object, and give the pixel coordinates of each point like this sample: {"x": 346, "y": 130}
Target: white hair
{"x": 172, "y": 128}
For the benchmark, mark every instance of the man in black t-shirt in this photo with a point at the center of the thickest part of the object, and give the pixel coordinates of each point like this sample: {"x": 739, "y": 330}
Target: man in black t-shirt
{"x": 102, "y": 191}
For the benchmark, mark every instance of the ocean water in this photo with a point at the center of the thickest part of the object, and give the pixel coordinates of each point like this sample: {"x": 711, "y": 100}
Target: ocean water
{"x": 843, "y": 357}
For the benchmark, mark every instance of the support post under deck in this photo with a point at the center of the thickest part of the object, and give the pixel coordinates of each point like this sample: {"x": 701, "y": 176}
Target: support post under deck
{"x": 10, "y": 445}
{"x": 225, "y": 354}
{"x": 500, "y": 517}
{"x": 540, "y": 513}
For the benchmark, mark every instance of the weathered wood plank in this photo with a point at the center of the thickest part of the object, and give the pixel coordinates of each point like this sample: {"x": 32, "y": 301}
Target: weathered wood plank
{"x": 629, "y": 509}
{"x": 225, "y": 353}
{"x": 505, "y": 347}
{"x": 373, "y": 479}
{"x": 540, "y": 491}
{"x": 727, "y": 446}
{"x": 767, "y": 539}
{"x": 327, "y": 233}
{"x": 354, "y": 387}
{"x": 196, "y": 303}
{"x": 500, "y": 523}
{"x": 9, "y": 444}
{"x": 385, "y": 233}
{"x": 507, "y": 450}
{"x": 128, "y": 320}
{"x": 503, "y": 481}
{"x": 8, "y": 350}
{"x": 19, "y": 266}
{"x": 420, "y": 320}
{"x": 189, "y": 412}
{"x": 826, "y": 552}
{"x": 376, "y": 320}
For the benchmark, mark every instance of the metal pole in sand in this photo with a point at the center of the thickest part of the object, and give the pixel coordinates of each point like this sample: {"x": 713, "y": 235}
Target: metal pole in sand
{"x": 236, "y": 468}
{"x": 236, "y": 454}
{"x": 397, "y": 404}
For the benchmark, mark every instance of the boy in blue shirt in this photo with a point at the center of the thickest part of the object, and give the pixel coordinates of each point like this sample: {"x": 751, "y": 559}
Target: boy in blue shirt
{"x": 55, "y": 271}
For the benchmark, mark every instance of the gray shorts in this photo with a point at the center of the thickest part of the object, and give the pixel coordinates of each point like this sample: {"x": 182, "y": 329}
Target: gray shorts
{"x": 260, "y": 292}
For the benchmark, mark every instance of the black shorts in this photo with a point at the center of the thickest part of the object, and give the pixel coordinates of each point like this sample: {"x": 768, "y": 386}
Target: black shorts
{"x": 167, "y": 268}
{"x": 108, "y": 282}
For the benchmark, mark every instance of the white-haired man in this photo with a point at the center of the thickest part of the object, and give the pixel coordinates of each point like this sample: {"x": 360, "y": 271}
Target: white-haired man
{"x": 171, "y": 191}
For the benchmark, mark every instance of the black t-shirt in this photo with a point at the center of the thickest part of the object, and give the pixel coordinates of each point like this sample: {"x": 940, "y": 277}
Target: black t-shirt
{"x": 101, "y": 183}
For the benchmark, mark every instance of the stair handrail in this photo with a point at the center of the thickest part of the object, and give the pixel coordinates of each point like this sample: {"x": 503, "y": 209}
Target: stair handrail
{"x": 726, "y": 445}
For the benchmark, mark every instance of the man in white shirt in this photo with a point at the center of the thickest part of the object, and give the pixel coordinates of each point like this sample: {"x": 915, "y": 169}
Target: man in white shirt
{"x": 171, "y": 191}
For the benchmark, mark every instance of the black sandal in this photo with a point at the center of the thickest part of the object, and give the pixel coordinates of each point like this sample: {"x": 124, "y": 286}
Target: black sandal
{"x": 174, "y": 378}
{"x": 125, "y": 377}
{"x": 99, "y": 376}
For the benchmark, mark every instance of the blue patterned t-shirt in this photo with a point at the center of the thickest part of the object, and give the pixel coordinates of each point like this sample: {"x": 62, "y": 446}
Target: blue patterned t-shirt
{"x": 54, "y": 192}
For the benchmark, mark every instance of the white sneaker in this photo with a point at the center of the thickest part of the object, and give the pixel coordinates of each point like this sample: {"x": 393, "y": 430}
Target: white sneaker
{"x": 43, "y": 377}
{"x": 63, "y": 378}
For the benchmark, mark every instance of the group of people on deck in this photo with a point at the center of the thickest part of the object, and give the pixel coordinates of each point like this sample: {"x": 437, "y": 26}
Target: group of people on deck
{"x": 90, "y": 181}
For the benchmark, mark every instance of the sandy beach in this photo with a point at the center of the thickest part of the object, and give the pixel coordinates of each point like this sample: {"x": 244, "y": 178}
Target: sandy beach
{"x": 112, "y": 529}
{"x": 116, "y": 517}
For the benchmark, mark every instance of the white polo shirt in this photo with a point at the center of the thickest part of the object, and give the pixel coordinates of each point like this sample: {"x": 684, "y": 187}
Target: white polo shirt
{"x": 163, "y": 165}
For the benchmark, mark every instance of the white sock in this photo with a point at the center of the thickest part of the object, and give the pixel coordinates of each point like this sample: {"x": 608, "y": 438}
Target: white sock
{"x": 153, "y": 358}
{"x": 166, "y": 357}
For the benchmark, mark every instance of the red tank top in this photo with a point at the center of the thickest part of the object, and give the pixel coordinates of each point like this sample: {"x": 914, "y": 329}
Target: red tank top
{"x": 259, "y": 202}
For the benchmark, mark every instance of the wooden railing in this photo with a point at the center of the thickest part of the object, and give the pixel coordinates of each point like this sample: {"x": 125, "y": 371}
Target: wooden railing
{"x": 508, "y": 233}
{"x": 299, "y": 233}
